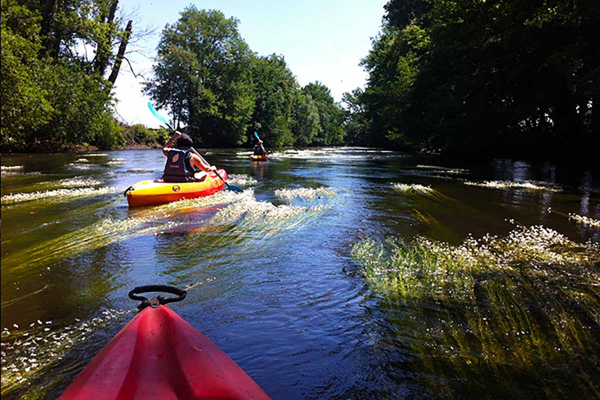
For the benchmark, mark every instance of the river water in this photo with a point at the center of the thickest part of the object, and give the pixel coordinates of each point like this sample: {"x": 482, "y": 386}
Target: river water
{"x": 272, "y": 278}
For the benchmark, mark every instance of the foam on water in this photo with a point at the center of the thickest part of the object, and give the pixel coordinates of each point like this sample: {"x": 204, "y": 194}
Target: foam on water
{"x": 11, "y": 167}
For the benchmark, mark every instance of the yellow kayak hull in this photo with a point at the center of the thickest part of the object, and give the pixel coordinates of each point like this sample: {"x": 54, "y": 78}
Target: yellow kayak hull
{"x": 147, "y": 193}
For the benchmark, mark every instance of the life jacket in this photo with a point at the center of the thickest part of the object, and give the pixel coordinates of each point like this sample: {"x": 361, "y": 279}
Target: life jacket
{"x": 178, "y": 168}
{"x": 258, "y": 150}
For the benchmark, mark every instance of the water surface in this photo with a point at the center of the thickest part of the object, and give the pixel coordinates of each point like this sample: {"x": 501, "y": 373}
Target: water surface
{"x": 269, "y": 273}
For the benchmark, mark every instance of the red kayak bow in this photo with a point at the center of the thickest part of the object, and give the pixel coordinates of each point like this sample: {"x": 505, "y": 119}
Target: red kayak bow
{"x": 158, "y": 355}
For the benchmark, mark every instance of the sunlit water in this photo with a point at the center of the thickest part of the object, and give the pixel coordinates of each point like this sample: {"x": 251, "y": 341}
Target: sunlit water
{"x": 270, "y": 273}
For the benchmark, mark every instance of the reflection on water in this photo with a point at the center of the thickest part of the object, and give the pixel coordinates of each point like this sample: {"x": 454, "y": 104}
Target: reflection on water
{"x": 272, "y": 281}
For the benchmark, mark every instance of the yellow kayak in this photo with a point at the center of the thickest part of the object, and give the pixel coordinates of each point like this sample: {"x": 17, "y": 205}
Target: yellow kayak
{"x": 159, "y": 192}
{"x": 259, "y": 158}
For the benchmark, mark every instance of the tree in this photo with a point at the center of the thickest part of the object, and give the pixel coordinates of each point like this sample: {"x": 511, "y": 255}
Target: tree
{"x": 25, "y": 104}
{"x": 496, "y": 77}
{"x": 330, "y": 131}
{"x": 306, "y": 123}
{"x": 53, "y": 94}
{"x": 202, "y": 74}
{"x": 356, "y": 122}
{"x": 275, "y": 87}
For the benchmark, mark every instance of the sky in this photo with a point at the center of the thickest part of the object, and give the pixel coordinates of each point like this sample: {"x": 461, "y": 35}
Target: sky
{"x": 321, "y": 40}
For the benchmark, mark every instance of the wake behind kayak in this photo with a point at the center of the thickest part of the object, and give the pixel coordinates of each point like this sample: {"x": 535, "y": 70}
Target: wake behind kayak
{"x": 158, "y": 355}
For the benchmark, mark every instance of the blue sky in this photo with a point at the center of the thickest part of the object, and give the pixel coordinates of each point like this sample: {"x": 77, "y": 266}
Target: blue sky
{"x": 320, "y": 40}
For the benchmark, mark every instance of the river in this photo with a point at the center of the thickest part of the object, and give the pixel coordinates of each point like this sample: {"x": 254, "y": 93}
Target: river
{"x": 279, "y": 278}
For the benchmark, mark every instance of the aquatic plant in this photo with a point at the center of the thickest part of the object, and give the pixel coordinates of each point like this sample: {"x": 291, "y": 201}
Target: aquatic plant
{"x": 89, "y": 238}
{"x": 530, "y": 185}
{"x": 444, "y": 169}
{"x": 29, "y": 352}
{"x": 60, "y": 194}
{"x": 256, "y": 210}
{"x": 414, "y": 188}
{"x": 79, "y": 182}
{"x": 305, "y": 193}
{"x": 526, "y": 301}
{"x": 584, "y": 220}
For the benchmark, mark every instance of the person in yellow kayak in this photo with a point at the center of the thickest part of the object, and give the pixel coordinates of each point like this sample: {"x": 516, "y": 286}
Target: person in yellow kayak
{"x": 259, "y": 149}
{"x": 184, "y": 163}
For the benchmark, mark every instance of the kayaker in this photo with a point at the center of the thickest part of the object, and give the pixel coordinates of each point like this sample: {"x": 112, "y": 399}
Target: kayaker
{"x": 259, "y": 149}
{"x": 183, "y": 161}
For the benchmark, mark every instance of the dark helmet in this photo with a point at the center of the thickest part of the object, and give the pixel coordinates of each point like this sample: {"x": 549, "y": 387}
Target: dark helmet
{"x": 184, "y": 141}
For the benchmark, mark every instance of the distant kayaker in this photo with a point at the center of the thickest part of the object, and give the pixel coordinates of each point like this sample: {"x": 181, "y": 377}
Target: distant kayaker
{"x": 259, "y": 149}
{"x": 183, "y": 161}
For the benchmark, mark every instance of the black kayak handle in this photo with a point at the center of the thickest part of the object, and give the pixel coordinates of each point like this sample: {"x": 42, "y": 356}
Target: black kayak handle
{"x": 156, "y": 301}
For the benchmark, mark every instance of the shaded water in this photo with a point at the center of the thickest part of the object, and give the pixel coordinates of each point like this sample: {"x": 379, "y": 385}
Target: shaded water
{"x": 270, "y": 273}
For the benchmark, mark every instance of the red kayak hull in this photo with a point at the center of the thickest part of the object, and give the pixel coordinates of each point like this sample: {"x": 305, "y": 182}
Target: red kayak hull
{"x": 158, "y": 355}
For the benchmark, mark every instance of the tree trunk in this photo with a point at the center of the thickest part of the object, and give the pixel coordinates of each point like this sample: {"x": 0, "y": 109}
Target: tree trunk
{"x": 50, "y": 38}
{"x": 103, "y": 49}
{"x": 115, "y": 71}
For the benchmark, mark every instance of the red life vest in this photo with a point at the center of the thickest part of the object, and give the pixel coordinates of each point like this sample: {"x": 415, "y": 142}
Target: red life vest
{"x": 177, "y": 168}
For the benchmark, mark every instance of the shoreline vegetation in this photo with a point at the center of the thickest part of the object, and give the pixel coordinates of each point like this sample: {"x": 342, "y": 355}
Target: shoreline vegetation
{"x": 475, "y": 80}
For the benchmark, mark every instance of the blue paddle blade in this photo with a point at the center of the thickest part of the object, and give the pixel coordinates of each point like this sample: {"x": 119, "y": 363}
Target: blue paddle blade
{"x": 157, "y": 115}
{"x": 256, "y": 134}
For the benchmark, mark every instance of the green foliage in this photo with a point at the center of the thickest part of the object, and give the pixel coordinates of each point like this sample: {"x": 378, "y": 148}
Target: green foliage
{"x": 203, "y": 76}
{"x": 331, "y": 131}
{"x": 356, "y": 122}
{"x": 275, "y": 88}
{"x": 139, "y": 134}
{"x": 306, "y": 122}
{"x": 500, "y": 77}
{"x": 52, "y": 96}
{"x": 211, "y": 81}
{"x": 24, "y": 101}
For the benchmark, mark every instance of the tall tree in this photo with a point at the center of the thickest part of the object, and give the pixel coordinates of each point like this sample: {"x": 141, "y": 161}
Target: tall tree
{"x": 274, "y": 87}
{"x": 331, "y": 131}
{"x": 491, "y": 77}
{"x": 202, "y": 74}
